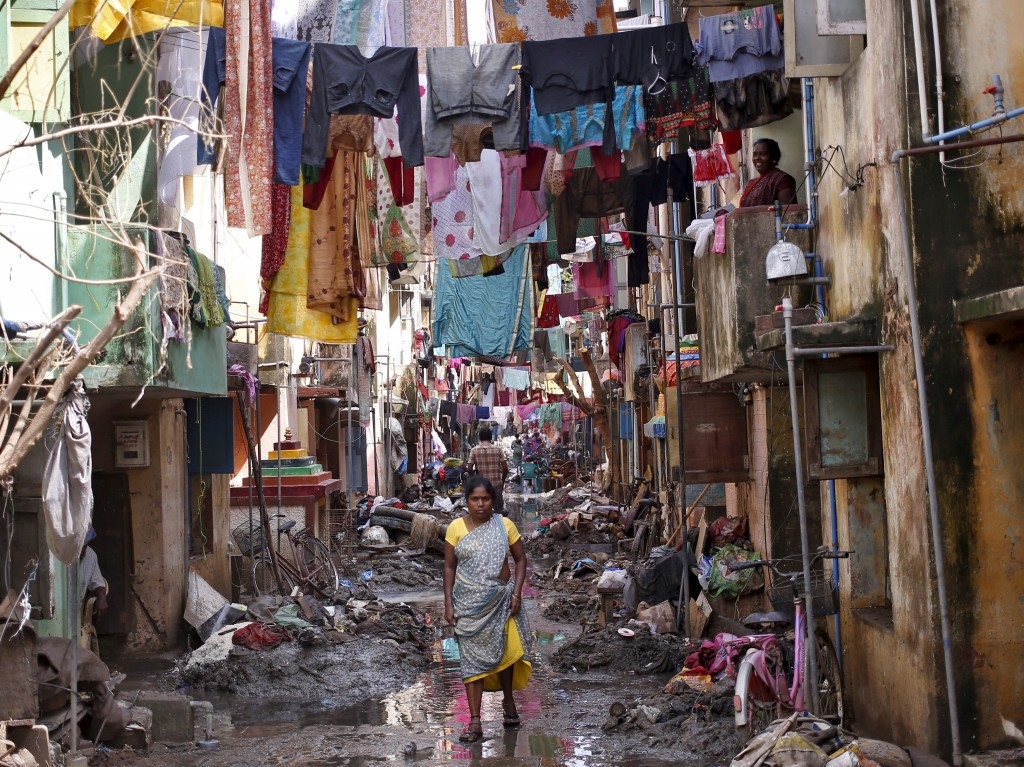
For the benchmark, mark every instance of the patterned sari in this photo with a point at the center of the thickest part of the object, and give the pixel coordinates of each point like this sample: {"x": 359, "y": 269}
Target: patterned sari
{"x": 490, "y": 638}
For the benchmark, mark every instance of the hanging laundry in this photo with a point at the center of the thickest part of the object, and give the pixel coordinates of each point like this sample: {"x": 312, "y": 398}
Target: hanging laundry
{"x": 344, "y": 237}
{"x": 345, "y": 81}
{"x": 568, "y": 73}
{"x": 315, "y": 20}
{"x": 617, "y": 326}
{"x": 485, "y": 315}
{"x": 516, "y": 378}
{"x": 284, "y": 19}
{"x": 518, "y": 21}
{"x": 684, "y": 102}
{"x": 586, "y": 196}
{"x": 366, "y": 367}
{"x": 398, "y": 243}
{"x": 650, "y": 189}
{"x": 287, "y": 313}
{"x": 548, "y": 317}
{"x": 594, "y": 281}
{"x": 585, "y": 125}
{"x": 740, "y": 44}
{"x": 179, "y": 76}
{"x": 360, "y": 22}
{"x": 634, "y": 356}
{"x": 719, "y": 244}
{"x": 466, "y": 223}
{"x": 113, "y": 22}
{"x": 249, "y": 170}
{"x": 710, "y": 165}
{"x": 275, "y": 244}
{"x": 460, "y": 90}
{"x": 652, "y": 56}
{"x": 550, "y": 415}
{"x": 702, "y": 232}
{"x": 291, "y": 66}
{"x": 750, "y": 102}
{"x": 465, "y": 414}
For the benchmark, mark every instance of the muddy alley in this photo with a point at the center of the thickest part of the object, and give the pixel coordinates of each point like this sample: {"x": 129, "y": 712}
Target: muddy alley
{"x": 391, "y": 691}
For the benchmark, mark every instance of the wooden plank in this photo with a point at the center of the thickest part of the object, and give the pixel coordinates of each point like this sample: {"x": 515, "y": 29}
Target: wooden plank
{"x": 18, "y": 661}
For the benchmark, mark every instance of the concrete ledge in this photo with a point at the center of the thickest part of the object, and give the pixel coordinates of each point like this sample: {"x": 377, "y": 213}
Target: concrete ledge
{"x": 171, "y": 712}
{"x": 855, "y": 332}
{"x": 1005, "y": 305}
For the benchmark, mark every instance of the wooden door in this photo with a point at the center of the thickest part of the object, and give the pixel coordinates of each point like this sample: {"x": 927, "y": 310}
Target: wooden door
{"x": 112, "y": 518}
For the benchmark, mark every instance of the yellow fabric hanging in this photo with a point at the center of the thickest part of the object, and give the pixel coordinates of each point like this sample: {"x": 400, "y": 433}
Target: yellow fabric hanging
{"x": 287, "y": 313}
{"x": 114, "y": 20}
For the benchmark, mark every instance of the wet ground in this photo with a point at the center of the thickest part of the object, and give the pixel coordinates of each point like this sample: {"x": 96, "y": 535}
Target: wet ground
{"x": 395, "y": 710}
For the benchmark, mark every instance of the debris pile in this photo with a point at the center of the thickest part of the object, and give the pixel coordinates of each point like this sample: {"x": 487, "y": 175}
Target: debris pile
{"x": 298, "y": 649}
{"x": 642, "y": 652}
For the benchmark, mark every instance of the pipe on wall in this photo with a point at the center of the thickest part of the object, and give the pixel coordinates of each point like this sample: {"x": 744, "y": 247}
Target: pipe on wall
{"x": 935, "y": 521}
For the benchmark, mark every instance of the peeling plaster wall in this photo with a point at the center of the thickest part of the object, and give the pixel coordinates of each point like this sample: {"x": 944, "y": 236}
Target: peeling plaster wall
{"x": 158, "y": 505}
{"x": 968, "y": 233}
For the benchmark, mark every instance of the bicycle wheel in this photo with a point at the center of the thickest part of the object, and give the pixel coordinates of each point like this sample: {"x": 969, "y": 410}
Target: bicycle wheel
{"x": 754, "y": 699}
{"x": 830, "y": 682}
{"x": 263, "y": 579}
{"x": 319, "y": 575}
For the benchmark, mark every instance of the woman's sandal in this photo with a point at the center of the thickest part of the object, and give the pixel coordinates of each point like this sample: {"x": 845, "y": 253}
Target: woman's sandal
{"x": 474, "y": 731}
{"x": 511, "y": 720}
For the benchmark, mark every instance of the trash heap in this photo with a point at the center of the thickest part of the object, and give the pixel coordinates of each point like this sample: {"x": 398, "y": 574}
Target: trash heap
{"x": 292, "y": 649}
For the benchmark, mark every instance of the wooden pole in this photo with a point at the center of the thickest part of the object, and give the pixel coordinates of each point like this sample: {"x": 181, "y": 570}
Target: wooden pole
{"x": 261, "y": 500}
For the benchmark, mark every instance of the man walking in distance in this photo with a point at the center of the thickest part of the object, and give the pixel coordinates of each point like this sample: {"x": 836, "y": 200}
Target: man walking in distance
{"x": 488, "y": 460}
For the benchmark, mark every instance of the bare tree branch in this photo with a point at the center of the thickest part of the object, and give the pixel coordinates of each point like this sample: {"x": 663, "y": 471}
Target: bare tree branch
{"x": 44, "y": 31}
{"x": 16, "y": 449}
{"x": 100, "y": 126}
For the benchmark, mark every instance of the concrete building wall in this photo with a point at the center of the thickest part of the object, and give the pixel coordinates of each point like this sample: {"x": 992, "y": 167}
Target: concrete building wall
{"x": 158, "y": 513}
{"x": 967, "y": 225}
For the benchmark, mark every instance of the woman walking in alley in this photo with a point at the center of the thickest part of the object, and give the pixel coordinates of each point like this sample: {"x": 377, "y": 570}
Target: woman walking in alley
{"x": 483, "y": 600}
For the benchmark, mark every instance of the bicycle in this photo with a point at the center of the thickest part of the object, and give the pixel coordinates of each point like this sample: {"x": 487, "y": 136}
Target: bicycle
{"x": 771, "y": 679}
{"x": 305, "y": 562}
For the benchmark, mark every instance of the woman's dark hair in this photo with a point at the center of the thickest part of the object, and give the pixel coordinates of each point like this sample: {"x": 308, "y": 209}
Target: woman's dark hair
{"x": 773, "y": 148}
{"x": 478, "y": 480}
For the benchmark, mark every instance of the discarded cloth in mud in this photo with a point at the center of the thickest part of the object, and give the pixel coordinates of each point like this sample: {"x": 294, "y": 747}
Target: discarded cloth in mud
{"x": 288, "y": 615}
{"x": 798, "y": 740}
{"x": 260, "y": 636}
{"x": 53, "y": 659}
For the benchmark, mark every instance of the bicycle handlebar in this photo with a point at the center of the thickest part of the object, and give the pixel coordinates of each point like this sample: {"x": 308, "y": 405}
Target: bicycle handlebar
{"x": 772, "y": 564}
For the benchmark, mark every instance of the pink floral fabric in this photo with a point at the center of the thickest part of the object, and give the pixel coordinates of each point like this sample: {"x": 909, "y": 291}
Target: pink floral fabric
{"x": 250, "y": 126}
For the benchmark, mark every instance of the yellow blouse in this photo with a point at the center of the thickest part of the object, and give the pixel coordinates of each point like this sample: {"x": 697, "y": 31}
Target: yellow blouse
{"x": 457, "y": 530}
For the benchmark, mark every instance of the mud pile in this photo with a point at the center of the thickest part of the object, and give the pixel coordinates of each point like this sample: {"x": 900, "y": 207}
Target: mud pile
{"x": 644, "y": 653}
{"x": 579, "y": 608}
{"x": 696, "y": 726}
{"x": 405, "y": 574}
{"x": 361, "y": 668}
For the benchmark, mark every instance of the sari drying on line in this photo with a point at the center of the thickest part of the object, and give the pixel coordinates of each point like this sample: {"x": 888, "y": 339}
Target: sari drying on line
{"x": 490, "y": 638}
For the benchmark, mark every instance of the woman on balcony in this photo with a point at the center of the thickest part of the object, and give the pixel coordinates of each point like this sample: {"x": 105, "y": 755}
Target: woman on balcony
{"x": 772, "y": 183}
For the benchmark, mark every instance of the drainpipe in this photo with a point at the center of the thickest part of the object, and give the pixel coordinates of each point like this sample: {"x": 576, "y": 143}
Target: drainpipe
{"x": 922, "y": 94}
{"x": 926, "y": 435}
{"x": 812, "y": 189}
{"x": 940, "y": 95}
{"x": 837, "y": 624}
{"x": 805, "y": 548}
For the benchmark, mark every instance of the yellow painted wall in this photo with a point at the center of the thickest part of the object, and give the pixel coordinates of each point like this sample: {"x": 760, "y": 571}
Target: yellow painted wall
{"x": 966, "y": 224}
